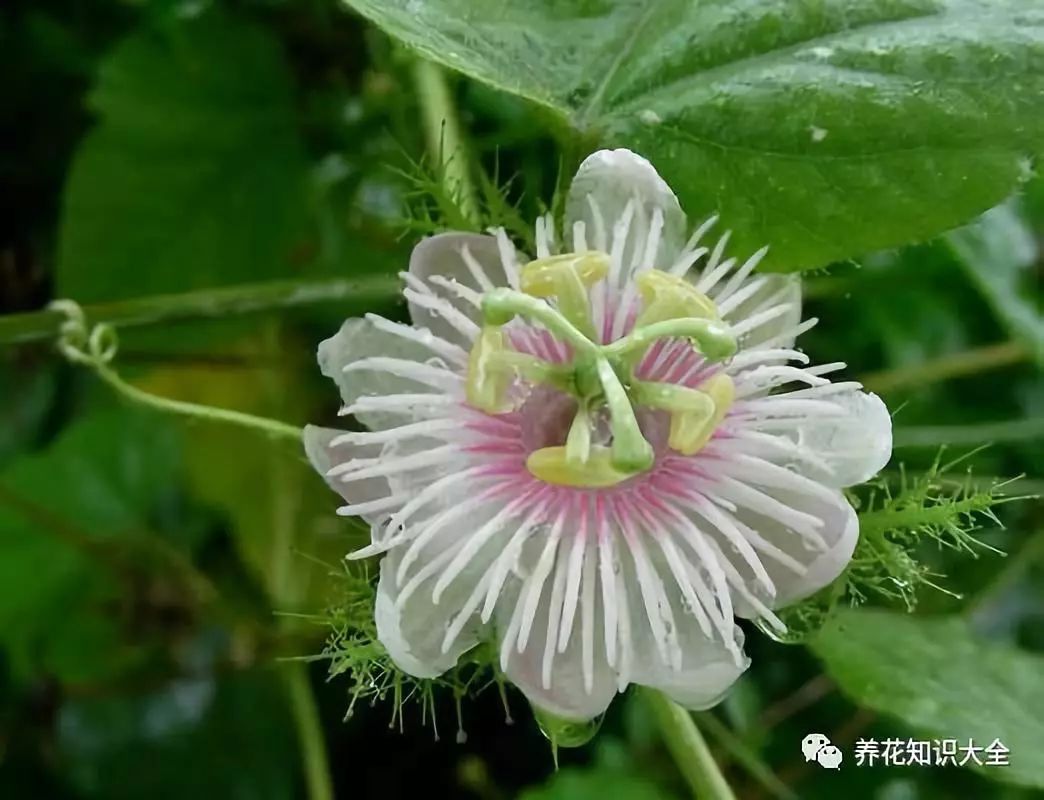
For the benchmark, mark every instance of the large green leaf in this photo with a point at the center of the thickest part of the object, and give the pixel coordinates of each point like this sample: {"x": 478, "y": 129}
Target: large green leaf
{"x": 194, "y": 174}
{"x": 934, "y": 675}
{"x": 280, "y": 513}
{"x": 999, "y": 252}
{"x": 72, "y": 521}
{"x": 195, "y": 737}
{"x": 824, "y": 128}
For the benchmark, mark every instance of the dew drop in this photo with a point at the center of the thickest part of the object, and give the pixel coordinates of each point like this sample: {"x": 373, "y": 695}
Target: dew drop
{"x": 563, "y": 732}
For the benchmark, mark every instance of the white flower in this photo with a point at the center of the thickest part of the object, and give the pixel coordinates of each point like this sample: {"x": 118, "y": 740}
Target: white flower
{"x": 598, "y": 458}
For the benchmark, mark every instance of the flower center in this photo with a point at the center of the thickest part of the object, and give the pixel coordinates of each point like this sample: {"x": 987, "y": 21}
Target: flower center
{"x": 601, "y": 378}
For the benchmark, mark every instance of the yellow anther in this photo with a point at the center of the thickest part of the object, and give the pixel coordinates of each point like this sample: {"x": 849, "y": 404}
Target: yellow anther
{"x": 552, "y": 465}
{"x": 691, "y": 430}
{"x": 487, "y": 385}
{"x": 567, "y": 278}
{"x": 670, "y": 297}
{"x": 548, "y": 277}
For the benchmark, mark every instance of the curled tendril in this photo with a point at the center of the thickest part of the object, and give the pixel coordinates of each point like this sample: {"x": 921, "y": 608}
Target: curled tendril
{"x": 96, "y": 347}
{"x": 79, "y": 342}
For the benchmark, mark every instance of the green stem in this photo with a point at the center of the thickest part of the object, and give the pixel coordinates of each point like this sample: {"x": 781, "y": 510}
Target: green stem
{"x": 745, "y": 756}
{"x": 1015, "y": 430}
{"x": 444, "y": 136}
{"x": 688, "y": 748}
{"x": 356, "y": 295}
{"x": 309, "y": 732}
{"x": 286, "y": 585}
{"x": 956, "y": 365}
{"x": 271, "y": 427}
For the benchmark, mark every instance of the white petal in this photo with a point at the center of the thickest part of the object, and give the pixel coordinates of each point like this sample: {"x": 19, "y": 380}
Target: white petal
{"x": 611, "y": 179}
{"x": 411, "y": 482}
{"x": 446, "y": 256}
{"x": 776, "y": 290}
{"x": 412, "y": 635}
{"x": 821, "y": 566}
{"x": 358, "y": 339}
{"x": 707, "y": 668}
{"x": 410, "y": 624}
{"x": 323, "y": 457}
{"x": 856, "y": 445}
{"x": 567, "y": 695}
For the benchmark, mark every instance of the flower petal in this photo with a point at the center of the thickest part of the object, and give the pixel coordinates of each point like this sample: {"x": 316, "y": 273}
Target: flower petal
{"x": 469, "y": 261}
{"x": 780, "y": 292}
{"x": 819, "y": 566}
{"x": 604, "y": 185}
{"x": 410, "y": 623}
{"x": 324, "y": 456}
{"x": 856, "y": 445}
{"x": 566, "y": 694}
{"x": 707, "y": 669}
{"x": 360, "y": 339}
{"x": 412, "y": 634}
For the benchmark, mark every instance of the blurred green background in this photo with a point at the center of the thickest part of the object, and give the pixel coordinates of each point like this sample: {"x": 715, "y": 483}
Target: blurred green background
{"x": 165, "y": 585}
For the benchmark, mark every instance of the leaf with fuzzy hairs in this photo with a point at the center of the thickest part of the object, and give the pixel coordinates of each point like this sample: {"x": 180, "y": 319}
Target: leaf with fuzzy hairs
{"x": 825, "y": 128}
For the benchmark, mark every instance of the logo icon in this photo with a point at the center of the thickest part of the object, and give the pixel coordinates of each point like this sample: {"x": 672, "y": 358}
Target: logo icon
{"x": 811, "y": 745}
{"x": 817, "y": 747}
{"x": 829, "y": 757}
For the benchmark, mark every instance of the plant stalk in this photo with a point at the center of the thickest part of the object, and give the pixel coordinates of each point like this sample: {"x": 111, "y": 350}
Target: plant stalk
{"x": 318, "y": 784}
{"x": 444, "y": 135}
{"x": 1013, "y": 430}
{"x": 688, "y": 747}
{"x": 274, "y": 428}
{"x": 956, "y": 365}
{"x": 357, "y": 295}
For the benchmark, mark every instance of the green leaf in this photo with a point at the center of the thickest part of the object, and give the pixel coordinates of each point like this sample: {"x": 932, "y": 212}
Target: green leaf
{"x": 29, "y": 394}
{"x": 280, "y": 513}
{"x": 194, "y": 175}
{"x": 999, "y": 253}
{"x": 934, "y": 675}
{"x": 193, "y": 738}
{"x": 824, "y": 128}
{"x": 70, "y": 521}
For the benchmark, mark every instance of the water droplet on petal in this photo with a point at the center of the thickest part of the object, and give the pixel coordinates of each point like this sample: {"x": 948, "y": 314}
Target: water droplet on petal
{"x": 563, "y": 732}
